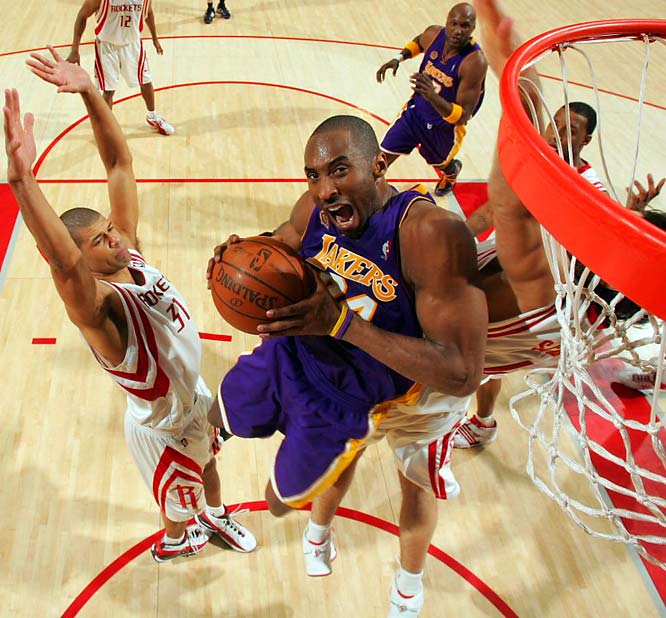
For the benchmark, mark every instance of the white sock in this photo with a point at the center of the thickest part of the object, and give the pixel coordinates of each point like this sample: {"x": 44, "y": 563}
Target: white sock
{"x": 409, "y": 584}
{"x": 216, "y": 511}
{"x": 167, "y": 540}
{"x": 152, "y": 114}
{"x": 316, "y": 533}
{"x": 486, "y": 421}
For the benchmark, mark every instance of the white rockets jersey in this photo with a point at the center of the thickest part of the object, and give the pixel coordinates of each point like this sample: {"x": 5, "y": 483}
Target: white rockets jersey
{"x": 486, "y": 251}
{"x": 591, "y": 176}
{"x": 120, "y": 21}
{"x": 530, "y": 339}
{"x": 161, "y": 367}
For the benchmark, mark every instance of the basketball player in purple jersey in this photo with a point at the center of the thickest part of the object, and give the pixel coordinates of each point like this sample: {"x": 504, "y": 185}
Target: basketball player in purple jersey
{"x": 448, "y": 91}
{"x": 396, "y": 308}
{"x": 135, "y": 321}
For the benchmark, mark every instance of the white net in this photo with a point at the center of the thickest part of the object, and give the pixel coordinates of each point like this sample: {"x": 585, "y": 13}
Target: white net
{"x": 597, "y": 432}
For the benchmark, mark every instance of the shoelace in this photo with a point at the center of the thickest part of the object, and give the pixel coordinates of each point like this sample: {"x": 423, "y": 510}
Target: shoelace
{"x": 231, "y": 523}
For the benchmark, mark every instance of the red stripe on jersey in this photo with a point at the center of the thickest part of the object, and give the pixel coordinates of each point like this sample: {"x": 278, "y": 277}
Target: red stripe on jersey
{"x": 169, "y": 457}
{"x": 489, "y": 371}
{"x": 102, "y": 14}
{"x": 144, "y": 14}
{"x": 136, "y": 256}
{"x": 141, "y": 372}
{"x": 161, "y": 382}
{"x": 520, "y": 325}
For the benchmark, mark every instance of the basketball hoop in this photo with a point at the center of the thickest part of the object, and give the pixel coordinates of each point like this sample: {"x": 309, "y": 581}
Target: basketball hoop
{"x": 591, "y": 239}
{"x": 559, "y": 198}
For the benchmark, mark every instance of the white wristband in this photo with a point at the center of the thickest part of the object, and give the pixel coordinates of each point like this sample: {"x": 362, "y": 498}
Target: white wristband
{"x": 399, "y": 57}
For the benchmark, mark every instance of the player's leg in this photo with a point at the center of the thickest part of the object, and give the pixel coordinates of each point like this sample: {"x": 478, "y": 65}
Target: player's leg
{"x": 223, "y": 10}
{"x": 209, "y": 15}
{"x": 439, "y": 149}
{"x": 318, "y": 543}
{"x": 420, "y": 436}
{"x": 418, "y": 520}
{"x": 400, "y": 138}
{"x": 135, "y": 70}
{"x": 215, "y": 517}
{"x": 481, "y": 428}
{"x": 175, "y": 479}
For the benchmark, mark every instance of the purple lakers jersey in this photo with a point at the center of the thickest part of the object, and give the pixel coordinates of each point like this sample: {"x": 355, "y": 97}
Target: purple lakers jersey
{"x": 444, "y": 74}
{"x": 367, "y": 270}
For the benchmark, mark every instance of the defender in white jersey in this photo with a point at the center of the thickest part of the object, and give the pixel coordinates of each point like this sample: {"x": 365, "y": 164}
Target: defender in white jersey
{"x": 119, "y": 50}
{"x": 135, "y": 321}
{"x": 523, "y": 330}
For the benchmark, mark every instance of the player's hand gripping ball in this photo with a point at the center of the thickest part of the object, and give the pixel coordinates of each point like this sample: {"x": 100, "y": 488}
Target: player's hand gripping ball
{"x": 255, "y": 275}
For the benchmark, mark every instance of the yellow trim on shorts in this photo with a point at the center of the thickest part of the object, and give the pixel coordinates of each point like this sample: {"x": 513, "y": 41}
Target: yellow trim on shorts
{"x": 459, "y": 133}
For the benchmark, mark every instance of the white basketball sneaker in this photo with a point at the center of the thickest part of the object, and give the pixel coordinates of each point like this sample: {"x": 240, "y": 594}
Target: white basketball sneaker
{"x": 155, "y": 120}
{"x": 474, "y": 433}
{"x": 318, "y": 556}
{"x": 193, "y": 541}
{"x": 229, "y": 530}
{"x": 405, "y": 606}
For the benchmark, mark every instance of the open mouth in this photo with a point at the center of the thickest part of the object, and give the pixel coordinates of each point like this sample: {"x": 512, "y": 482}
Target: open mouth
{"x": 342, "y": 215}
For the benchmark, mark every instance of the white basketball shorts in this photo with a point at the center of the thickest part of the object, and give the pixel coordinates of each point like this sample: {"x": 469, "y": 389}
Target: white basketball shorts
{"x": 420, "y": 435}
{"x": 172, "y": 465}
{"x": 112, "y": 61}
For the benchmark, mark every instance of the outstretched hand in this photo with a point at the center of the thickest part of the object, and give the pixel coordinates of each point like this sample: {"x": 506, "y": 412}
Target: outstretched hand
{"x": 392, "y": 65}
{"x": 496, "y": 33}
{"x": 641, "y": 198}
{"x": 68, "y": 77}
{"x": 19, "y": 138}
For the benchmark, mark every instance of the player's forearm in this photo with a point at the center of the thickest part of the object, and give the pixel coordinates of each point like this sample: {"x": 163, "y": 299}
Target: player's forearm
{"x": 111, "y": 143}
{"x": 79, "y": 29}
{"x": 444, "y": 370}
{"x": 150, "y": 22}
{"x": 49, "y": 232}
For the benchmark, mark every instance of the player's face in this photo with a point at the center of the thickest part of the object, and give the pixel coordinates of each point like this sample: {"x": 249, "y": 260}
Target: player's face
{"x": 342, "y": 180}
{"x": 460, "y": 24}
{"x": 579, "y": 134}
{"x": 104, "y": 248}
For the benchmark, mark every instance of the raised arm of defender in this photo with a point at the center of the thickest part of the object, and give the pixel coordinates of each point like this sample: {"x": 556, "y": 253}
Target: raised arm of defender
{"x": 111, "y": 143}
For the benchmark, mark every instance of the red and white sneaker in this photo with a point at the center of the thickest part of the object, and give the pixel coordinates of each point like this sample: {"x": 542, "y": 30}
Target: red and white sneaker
{"x": 405, "y": 606}
{"x": 229, "y": 530}
{"x": 155, "y": 121}
{"x": 318, "y": 556}
{"x": 474, "y": 433}
{"x": 194, "y": 540}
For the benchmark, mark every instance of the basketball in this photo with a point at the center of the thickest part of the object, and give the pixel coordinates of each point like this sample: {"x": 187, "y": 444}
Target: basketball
{"x": 255, "y": 275}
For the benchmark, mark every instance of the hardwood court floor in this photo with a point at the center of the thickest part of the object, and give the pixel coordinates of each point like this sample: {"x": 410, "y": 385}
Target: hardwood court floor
{"x": 244, "y": 95}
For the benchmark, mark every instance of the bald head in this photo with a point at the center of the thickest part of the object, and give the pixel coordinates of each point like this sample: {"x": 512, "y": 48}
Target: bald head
{"x": 464, "y": 9}
{"x": 362, "y": 135}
